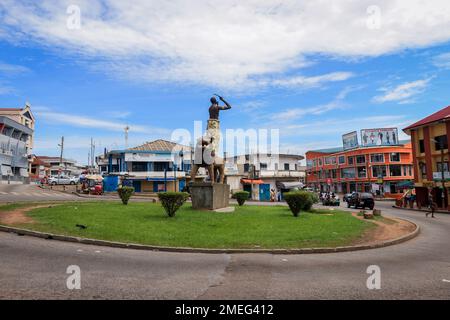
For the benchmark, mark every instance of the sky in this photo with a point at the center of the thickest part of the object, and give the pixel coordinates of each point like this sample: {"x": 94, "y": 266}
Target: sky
{"x": 315, "y": 70}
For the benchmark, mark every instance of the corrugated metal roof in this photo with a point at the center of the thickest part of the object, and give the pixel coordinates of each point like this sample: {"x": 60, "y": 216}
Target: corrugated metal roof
{"x": 159, "y": 145}
{"x": 435, "y": 117}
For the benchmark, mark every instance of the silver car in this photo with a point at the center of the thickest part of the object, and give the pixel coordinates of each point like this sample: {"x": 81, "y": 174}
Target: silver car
{"x": 63, "y": 180}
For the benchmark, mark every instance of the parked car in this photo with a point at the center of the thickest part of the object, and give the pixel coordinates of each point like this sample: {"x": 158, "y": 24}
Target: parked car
{"x": 361, "y": 200}
{"x": 346, "y": 197}
{"x": 63, "y": 180}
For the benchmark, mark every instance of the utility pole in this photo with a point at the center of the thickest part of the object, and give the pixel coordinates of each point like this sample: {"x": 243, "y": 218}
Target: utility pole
{"x": 127, "y": 128}
{"x": 61, "y": 145}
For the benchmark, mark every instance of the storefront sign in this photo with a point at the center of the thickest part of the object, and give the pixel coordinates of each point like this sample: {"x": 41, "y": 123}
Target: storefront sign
{"x": 148, "y": 157}
{"x": 437, "y": 176}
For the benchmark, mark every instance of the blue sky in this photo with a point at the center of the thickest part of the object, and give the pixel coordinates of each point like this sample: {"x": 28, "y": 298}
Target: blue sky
{"x": 314, "y": 70}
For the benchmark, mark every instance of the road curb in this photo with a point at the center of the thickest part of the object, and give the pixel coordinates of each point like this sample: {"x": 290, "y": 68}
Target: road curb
{"x": 49, "y": 236}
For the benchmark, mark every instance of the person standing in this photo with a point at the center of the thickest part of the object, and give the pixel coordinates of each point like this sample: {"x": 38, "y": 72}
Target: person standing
{"x": 431, "y": 205}
{"x": 272, "y": 195}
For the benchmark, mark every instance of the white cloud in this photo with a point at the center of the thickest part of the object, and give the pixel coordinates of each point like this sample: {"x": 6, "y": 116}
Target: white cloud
{"x": 5, "y": 89}
{"x": 12, "y": 69}
{"x": 315, "y": 81}
{"x": 88, "y": 122}
{"x": 403, "y": 93}
{"x": 228, "y": 44}
{"x": 442, "y": 61}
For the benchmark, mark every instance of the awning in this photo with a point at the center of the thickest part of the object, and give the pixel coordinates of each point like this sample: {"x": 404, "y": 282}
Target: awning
{"x": 252, "y": 181}
{"x": 95, "y": 177}
{"x": 290, "y": 185}
{"x": 405, "y": 185}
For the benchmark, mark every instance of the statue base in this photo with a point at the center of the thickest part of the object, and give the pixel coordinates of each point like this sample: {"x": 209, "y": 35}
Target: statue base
{"x": 210, "y": 196}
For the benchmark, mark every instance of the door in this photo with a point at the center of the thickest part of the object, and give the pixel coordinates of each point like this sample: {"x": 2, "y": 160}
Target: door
{"x": 137, "y": 186}
{"x": 182, "y": 185}
{"x": 264, "y": 192}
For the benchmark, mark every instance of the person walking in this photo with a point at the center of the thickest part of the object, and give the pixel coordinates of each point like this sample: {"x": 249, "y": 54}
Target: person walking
{"x": 431, "y": 205}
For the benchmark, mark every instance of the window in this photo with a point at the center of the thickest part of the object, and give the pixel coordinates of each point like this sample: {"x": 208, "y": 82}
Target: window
{"x": 246, "y": 167}
{"x": 423, "y": 169}
{"x": 341, "y": 159}
{"x": 422, "y": 146}
{"x": 320, "y": 162}
{"x": 330, "y": 160}
{"x": 377, "y": 158}
{"x": 139, "y": 166}
{"x": 360, "y": 159}
{"x": 161, "y": 166}
{"x": 263, "y": 166}
{"x": 395, "y": 170}
{"x": 348, "y": 173}
{"x": 439, "y": 166}
{"x": 334, "y": 173}
{"x": 286, "y": 167}
{"x": 441, "y": 142}
{"x": 351, "y": 160}
{"x": 362, "y": 172}
{"x": 379, "y": 171}
{"x": 395, "y": 157}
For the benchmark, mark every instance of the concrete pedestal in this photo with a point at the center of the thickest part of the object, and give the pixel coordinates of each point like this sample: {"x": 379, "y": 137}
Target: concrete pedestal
{"x": 209, "y": 196}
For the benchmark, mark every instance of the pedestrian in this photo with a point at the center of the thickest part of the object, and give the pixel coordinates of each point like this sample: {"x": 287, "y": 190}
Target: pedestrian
{"x": 431, "y": 205}
{"x": 279, "y": 196}
{"x": 272, "y": 195}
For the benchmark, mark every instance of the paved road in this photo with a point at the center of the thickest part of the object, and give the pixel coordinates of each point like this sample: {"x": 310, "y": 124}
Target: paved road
{"x": 419, "y": 269}
{"x": 15, "y": 193}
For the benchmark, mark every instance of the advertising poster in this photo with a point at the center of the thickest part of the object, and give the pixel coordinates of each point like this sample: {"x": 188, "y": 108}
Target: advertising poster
{"x": 350, "y": 140}
{"x": 379, "y": 137}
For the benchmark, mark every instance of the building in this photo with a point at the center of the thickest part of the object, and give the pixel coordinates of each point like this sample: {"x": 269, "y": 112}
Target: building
{"x": 39, "y": 169}
{"x": 378, "y": 169}
{"x": 153, "y": 167}
{"x": 25, "y": 117}
{"x": 14, "y": 150}
{"x": 57, "y": 166}
{"x": 431, "y": 156}
{"x": 259, "y": 174}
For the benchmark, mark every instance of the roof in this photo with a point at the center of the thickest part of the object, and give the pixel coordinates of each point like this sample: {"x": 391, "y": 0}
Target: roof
{"x": 443, "y": 114}
{"x": 158, "y": 145}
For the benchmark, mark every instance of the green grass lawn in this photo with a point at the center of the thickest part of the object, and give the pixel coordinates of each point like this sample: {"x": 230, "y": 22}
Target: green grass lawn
{"x": 247, "y": 227}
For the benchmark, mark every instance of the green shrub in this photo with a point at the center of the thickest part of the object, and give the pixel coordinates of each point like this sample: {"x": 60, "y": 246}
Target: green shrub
{"x": 172, "y": 201}
{"x": 298, "y": 201}
{"x": 125, "y": 194}
{"x": 241, "y": 197}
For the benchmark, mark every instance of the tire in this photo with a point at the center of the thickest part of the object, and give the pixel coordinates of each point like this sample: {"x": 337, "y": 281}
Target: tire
{"x": 72, "y": 183}
{"x": 53, "y": 183}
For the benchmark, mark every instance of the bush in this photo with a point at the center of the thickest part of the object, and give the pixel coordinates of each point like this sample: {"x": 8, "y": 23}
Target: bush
{"x": 125, "y": 193}
{"x": 172, "y": 201}
{"x": 241, "y": 197}
{"x": 298, "y": 201}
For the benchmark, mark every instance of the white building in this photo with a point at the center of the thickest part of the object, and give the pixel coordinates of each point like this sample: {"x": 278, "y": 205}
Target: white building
{"x": 259, "y": 174}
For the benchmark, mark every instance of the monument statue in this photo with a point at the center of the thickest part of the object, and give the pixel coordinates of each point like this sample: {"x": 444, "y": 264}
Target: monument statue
{"x": 213, "y": 195}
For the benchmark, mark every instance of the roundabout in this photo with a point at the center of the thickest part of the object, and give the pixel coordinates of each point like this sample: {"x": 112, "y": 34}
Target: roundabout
{"x": 250, "y": 229}
{"x": 35, "y": 268}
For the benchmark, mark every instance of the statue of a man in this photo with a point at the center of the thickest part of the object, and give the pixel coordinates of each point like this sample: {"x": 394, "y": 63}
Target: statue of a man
{"x": 215, "y": 108}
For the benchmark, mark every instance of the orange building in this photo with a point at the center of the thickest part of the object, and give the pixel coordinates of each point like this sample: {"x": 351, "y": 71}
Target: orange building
{"x": 380, "y": 170}
{"x": 431, "y": 156}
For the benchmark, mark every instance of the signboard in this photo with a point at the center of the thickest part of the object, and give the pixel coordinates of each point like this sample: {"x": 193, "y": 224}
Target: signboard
{"x": 437, "y": 176}
{"x": 231, "y": 169}
{"x": 148, "y": 157}
{"x": 350, "y": 140}
{"x": 379, "y": 137}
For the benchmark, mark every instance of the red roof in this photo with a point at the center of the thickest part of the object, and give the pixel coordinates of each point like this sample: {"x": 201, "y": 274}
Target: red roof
{"x": 443, "y": 114}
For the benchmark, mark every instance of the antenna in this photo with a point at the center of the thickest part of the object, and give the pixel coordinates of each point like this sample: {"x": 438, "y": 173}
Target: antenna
{"x": 127, "y": 128}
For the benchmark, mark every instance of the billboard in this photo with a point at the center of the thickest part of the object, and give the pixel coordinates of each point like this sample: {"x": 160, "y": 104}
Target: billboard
{"x": 379, "y": 137}
{"x": 350, "y": 140}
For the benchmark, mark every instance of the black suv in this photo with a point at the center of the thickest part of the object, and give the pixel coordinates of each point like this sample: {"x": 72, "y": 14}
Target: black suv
{"x": 361, "y": 200}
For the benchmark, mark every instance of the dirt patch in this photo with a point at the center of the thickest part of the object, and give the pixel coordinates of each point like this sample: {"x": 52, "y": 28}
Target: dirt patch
{"x": 387, "y": 229}
{"x": 18, "y": 216}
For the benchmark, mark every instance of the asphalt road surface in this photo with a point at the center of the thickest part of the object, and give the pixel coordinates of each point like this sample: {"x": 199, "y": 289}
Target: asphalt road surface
{"x": 33, "y": 268}
{"x": 20, "y": 192}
